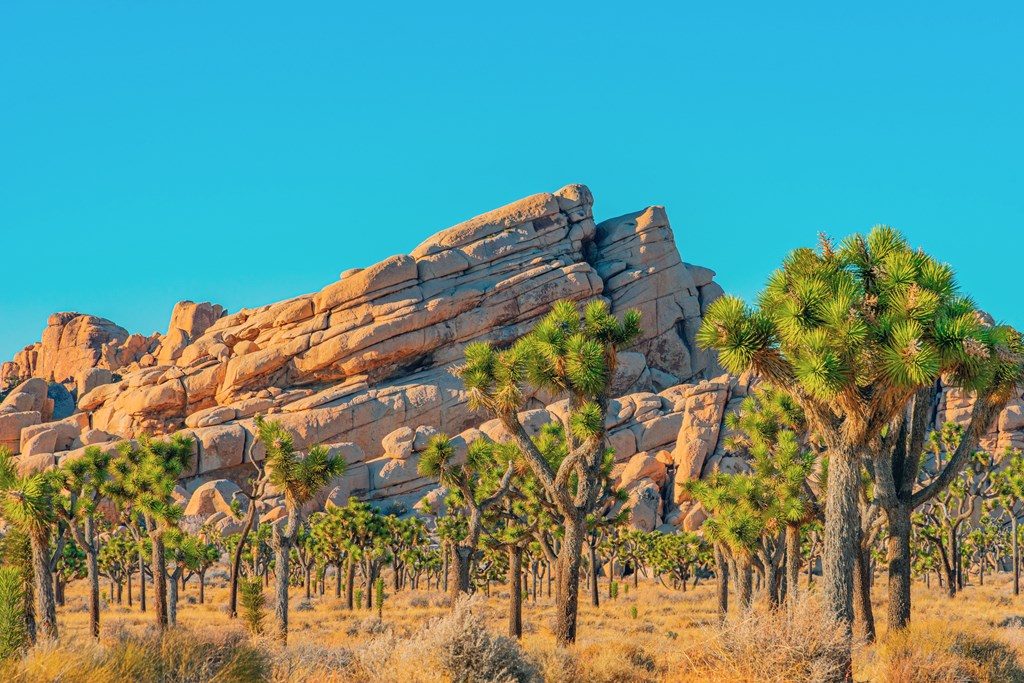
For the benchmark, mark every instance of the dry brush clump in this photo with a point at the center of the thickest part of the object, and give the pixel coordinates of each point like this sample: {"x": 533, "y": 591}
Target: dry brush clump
{"x": 456, "y": 647}
{"x": 804, "y": 643}
{"x": 178, "y": 656}
{"x": 938, "y": 652}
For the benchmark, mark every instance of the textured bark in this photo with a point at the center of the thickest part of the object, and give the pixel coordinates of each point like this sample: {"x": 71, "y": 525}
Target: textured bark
{"x": 722, "y": 576}
{"x": 792, "y": 564}
{"x": 899, "y": 567}
{"x": 45, "y": 607}
{"x": 568, "y": 580}
{"x": 93, "y": 576}
{"x": 842, "y": 533}
{"x": 159, "y": 566}
{"x": 862, "y": 596}
{"x": 842, "y": 540}
{"x": 458, "y": 568}
{"x": 172, "y": 601}
{"x": 595, "y": 599}
{"x": 282, "y": 541}
{"x": 745, "y": 582}
{"x": 515, "y": 591}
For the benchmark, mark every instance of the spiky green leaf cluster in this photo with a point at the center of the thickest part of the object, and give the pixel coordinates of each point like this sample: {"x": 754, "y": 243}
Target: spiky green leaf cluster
{"x": 872, "y": 313}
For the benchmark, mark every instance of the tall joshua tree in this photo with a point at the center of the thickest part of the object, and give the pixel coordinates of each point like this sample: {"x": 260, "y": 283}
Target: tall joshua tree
{"x": 300, "y": 479}
{"x": 1009, "y": 486}
{"x": 853, "y": 334}
{"x": 83, "y": 480}
{"x": 464, "y": 480}
{"x": 572, "y": 355}
{"x": 27, "y": 503}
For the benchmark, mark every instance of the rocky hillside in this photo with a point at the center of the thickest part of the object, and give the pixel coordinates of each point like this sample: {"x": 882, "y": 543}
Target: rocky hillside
{"x": 365, "y": 364}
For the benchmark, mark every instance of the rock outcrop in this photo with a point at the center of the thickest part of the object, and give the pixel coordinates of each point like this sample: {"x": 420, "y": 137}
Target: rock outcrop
{"x": 365, "y": 365}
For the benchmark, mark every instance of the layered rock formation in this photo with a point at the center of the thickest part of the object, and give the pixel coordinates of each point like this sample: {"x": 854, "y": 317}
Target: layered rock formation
{"x": 365, "y": 364}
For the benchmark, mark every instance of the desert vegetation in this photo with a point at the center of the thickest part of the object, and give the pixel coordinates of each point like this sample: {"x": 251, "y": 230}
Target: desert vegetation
{"x": 842, "y": 486}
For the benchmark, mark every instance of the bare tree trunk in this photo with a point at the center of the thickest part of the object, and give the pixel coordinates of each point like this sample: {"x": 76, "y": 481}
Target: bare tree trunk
{"x": 595, "y": 599}
{"x": 142, "y": 580}
{"x": 282, "y": 542}
{"x": 515, "y": 591}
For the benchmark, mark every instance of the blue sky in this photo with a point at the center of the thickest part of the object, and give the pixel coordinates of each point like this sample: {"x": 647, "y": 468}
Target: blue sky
{"x": 244, "y": 152}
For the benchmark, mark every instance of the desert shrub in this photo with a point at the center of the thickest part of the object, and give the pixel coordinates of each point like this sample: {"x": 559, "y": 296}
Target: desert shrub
{"x": 455, "y": 647}
{"x": 304, "y": 605}
{"x": 253, "y": 602}
{"x": 802, "y": 644}
{"x": 13, "y": 632}
{"x": 180, "y": 656}
{"x": 600, "y": 662}
{"x": 938, "y": 653}
{"x": 309, "y": 663}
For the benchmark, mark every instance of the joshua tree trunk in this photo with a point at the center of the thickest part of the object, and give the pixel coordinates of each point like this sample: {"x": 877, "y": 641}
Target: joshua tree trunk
{"x": 862, "y": 589}
{"x": 569, "y": 579}
{"x": 793, "y": 563}
{"x": 202, "y": 587}
{"x": 94, "y": 590}
{"x": 745, "y": 576}
{"x": 842, "y": 536}
{"x": 46, "y": 607}
{"x": 1016, "y": 553}
{"x": 130, "y": 572}
{"x": 722, "y": 576}
{"x": 515, "y": 591}
{"x": 159, "y": 565}
{"x": 350, "y": 581}
{"x": 282, "y": 542}
{"x": 595, "y": 599}
{"x": 172, "y": 600}
{"x": 899, "y": 567}
{"x": 458, "y": 568}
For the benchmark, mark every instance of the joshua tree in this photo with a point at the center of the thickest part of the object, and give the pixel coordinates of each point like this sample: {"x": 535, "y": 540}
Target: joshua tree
{"x": 464, "y": 482}
{"x": 143, "y": 477}
{"x": 771, "y": 428}
{"x": 1009, "y": 486}
{"x": 27, "y": 503}
{"x": 300, "y": 479}
{"x": 575, "y": 356}
{"x": 853, "y": 334}
{"x": 83, "y": 479}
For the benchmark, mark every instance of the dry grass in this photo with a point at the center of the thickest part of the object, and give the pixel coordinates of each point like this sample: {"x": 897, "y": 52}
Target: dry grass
{"x": 673, "y": 638}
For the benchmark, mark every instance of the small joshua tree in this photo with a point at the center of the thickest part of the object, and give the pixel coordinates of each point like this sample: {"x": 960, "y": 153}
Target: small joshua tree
{"x": 379, "y": 588}
{"x": 253, "y": 602}
{"x": 13, "y": 630}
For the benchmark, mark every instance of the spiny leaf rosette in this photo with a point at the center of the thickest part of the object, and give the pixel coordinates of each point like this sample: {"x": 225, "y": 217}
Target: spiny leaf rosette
{"x": 851, "y": 333}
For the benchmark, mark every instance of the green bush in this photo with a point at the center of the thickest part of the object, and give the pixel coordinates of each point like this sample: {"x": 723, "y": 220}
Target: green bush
{"x": 13, "y": 632}
{"x": 253, "y": 602}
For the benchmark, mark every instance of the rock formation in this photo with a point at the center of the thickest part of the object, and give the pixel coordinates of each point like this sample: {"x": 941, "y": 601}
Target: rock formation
{"x": 365, "y": 364}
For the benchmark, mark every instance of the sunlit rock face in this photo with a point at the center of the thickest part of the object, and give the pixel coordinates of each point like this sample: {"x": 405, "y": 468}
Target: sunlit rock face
{"x": 372, "y": 354}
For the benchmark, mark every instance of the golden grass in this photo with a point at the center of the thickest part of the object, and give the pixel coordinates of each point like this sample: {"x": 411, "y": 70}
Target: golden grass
{"x": 673, "y": 638}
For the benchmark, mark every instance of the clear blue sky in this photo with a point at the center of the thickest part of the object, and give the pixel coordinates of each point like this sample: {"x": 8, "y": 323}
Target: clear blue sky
{"x": 244, "y": 152}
